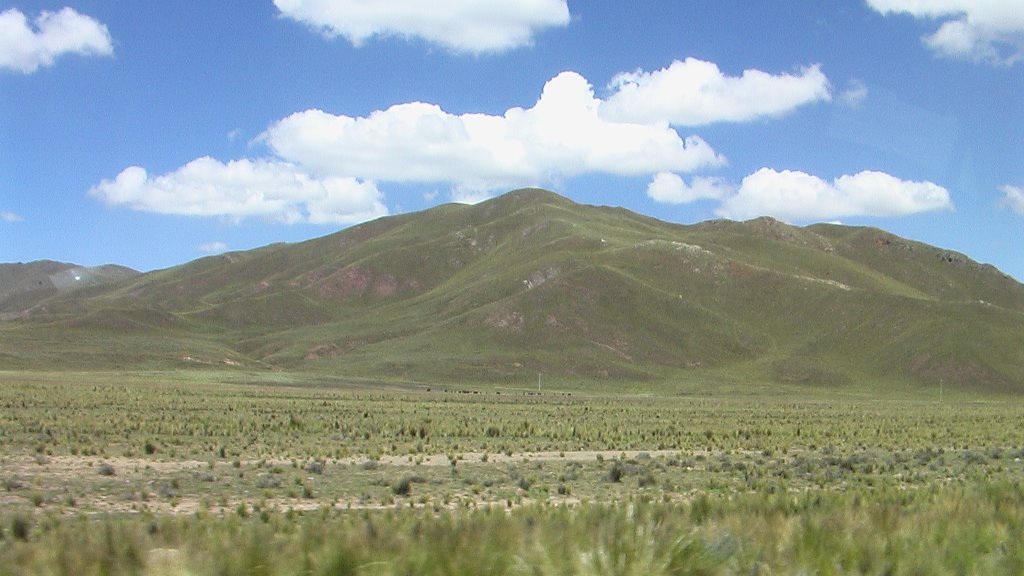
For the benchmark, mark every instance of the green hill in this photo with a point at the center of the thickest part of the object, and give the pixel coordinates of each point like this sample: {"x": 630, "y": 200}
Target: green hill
{"x": 531, "y": 282}
{"x": 24, "y": 285}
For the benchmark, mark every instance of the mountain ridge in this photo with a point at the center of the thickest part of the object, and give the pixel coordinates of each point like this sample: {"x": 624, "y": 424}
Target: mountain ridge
{"x": 532, "y": 282}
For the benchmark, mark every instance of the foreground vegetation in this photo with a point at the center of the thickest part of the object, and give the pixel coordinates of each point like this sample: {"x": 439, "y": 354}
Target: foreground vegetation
{"x": 230, "y": 474}
{"x": 972, "y": 529}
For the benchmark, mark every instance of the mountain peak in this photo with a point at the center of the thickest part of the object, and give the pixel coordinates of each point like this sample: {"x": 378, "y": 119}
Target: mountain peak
{"x": 526, "y": 197}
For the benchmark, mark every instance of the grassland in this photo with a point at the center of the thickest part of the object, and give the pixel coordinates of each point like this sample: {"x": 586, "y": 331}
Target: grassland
{"x": 260, "y": 473}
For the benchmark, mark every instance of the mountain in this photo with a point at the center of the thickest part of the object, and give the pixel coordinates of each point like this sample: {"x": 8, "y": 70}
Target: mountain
{"x": 22, "y": 286}
{"x": 531, "y": 282}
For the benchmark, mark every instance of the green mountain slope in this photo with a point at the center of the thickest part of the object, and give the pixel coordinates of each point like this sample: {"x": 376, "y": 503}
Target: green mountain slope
{"x": 22, "y": 285}
{"x": 532, "y": 283}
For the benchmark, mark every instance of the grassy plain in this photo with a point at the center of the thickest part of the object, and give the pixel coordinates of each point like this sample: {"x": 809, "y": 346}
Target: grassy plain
{"x": 270, "y": 473}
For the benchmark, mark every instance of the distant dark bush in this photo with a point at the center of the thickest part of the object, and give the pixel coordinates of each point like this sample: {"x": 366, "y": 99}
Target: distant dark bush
{"x": 105, "y": 469}
{"x": 403, "y": 488}
{"x": 616, "y": 473}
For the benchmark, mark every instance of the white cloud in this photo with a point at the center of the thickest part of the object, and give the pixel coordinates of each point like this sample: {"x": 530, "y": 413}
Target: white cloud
{"x": 1013, "y": 198}
{"x": 10, "y": 217}
{"x": 670, "y": 188}
{"x": 562, "y": 135}
{"x": 459, "y": 25}
{"x": 792, "y": 195}
{"x": 695, "y": 92}
{"x": 470, "y": 196}
{"x": 982, "y": 30}
{"x": 25, "y": 49}
{"x": 213, "y": 247}
{"x": 855, "y": 94}
{"x": 244, "y": 188}
{"x": 324, "y": 167}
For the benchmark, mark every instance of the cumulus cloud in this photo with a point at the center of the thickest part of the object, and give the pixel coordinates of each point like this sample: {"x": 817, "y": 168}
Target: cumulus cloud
{"x": 670, "y": 188}
{"x": 793, "y": 195}
{"x": 1013, "y": 198}
{"x": 695, "y": 93}
{"x": 458, "y": 25}
{"x": 324, "y": 167}
{"x": 10, "y": 217}
{"x": 989, "y": 31}
{"x": 562, "y": 135}
{"x": 25, "y": 49}
{"x": 244, "y": 188}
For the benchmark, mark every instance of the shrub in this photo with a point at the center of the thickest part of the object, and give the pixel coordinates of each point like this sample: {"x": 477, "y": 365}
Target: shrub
{"x": 105, "y": 469}
{"x": 266, "y": 481}
{"x": 403, "y": 487}
{"x": 616, "y": 473}
{"x": 20, "y": 528}
{"x": 700, "y": 509}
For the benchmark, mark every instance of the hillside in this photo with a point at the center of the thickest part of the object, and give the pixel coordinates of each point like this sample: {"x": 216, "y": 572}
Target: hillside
{"x": 531, "y": 282}
{"x": 23, "y": 285}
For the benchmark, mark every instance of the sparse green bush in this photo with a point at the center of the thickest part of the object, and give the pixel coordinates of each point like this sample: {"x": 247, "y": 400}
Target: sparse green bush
{"x": 267, "y": 481}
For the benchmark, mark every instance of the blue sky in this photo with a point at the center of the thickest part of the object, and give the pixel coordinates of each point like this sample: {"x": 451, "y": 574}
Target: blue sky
{"x": 149, "y": 133}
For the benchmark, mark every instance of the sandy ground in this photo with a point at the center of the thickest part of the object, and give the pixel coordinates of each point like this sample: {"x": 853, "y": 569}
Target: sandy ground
{"x": 60, "y": 477}
{"x": 503, "y": 458}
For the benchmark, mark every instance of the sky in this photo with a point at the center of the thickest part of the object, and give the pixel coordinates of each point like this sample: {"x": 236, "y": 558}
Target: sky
{"x": 150, "y": 133}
